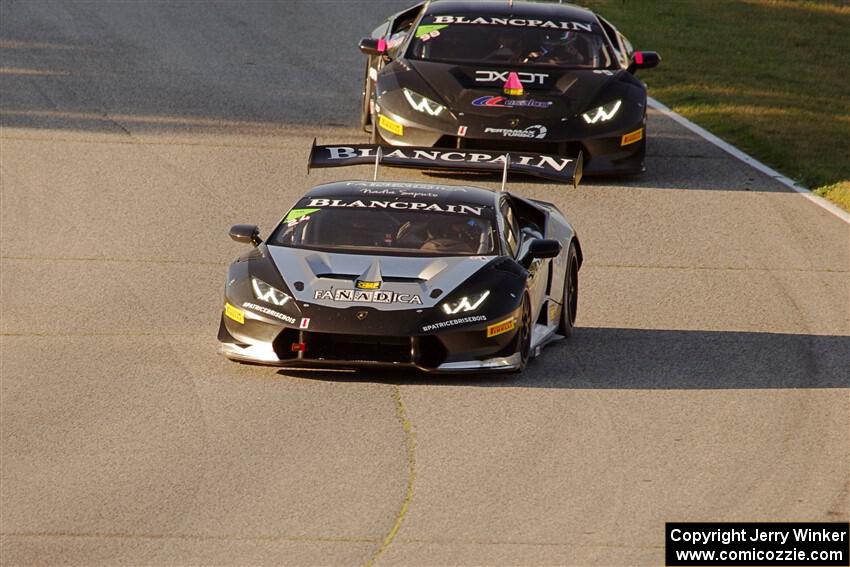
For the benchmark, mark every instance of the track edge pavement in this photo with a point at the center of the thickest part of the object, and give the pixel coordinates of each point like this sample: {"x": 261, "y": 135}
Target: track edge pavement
{"x": 749, "y": 160}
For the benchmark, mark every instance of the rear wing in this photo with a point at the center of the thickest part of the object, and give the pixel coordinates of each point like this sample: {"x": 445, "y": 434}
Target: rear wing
{"x": 556, "y": 168}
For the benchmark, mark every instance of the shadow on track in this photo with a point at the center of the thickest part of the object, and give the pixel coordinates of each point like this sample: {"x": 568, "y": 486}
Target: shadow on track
{"x": 602, "y": 358}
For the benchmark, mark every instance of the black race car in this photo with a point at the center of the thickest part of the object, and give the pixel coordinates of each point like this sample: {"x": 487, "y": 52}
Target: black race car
{"x": 495, "y": 74}
{"x": 384, "y": 273}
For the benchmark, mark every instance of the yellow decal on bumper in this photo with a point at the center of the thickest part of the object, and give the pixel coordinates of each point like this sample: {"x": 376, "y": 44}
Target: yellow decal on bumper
{"x": 361, "y": 284}
{"x": 501, "y": 327}
{"x": 233, "y": 313}
{"x": 632, "y": 137}
{"x": 390, "y": 125}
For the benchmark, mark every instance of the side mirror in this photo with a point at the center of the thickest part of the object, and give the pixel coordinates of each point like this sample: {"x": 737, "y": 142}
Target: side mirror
{"x": 644, "y": 60}
{"x": 544, "y": 248}
{"x": 372, "y": 46}
{"x": 246, "y": 234}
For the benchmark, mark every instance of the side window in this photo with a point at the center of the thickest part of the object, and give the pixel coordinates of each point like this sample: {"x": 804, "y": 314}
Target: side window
{"x": 627, "y": 46}
{"x": 613, "y": 36}
{"x": 404, "y": 21}
{"x": 399, "y": 28}
{"x": 394, "y": 42}
{"x": 509, "y": 228}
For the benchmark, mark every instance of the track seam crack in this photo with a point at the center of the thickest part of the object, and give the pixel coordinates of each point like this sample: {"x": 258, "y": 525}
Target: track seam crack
{"x": 410, "y": 447}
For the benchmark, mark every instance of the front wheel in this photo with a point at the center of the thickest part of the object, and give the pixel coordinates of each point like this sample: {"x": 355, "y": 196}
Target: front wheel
{"x": 570, "y": 298}
{"x": 365, "y": 110}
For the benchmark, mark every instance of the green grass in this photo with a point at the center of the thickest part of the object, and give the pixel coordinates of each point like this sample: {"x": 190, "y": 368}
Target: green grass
{"x": 771, "y": 77}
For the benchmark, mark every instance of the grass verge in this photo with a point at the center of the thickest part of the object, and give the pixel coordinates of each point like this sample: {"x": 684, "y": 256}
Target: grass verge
{"x": 838, "y": 193}
{"x": 769, "y": 76}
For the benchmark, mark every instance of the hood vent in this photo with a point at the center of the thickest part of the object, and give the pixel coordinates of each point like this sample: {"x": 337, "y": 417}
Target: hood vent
{"x": 332, "y": 276}
{"x": 388, "y": 279}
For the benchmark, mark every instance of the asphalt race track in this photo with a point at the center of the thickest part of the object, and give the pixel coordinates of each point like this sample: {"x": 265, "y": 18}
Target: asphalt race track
{"x": 708, "y": 380}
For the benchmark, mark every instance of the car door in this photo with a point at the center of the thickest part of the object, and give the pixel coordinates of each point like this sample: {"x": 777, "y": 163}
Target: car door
{"x": 517, "y": 235}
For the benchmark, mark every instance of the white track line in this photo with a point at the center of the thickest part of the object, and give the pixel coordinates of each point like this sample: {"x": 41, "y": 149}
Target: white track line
{"x": 752, "y": 162}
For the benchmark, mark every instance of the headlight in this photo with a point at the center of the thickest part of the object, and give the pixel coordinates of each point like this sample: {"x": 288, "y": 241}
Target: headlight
{"x": 602, "y": 113}
{"x": 422, "y": 104}
{"x": 464, "y": 304}
{"x": 267, "y": 293}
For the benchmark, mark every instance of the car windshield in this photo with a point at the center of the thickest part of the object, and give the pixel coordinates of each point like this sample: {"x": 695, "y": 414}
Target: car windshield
{"x": 565, "y": 44}
{"x": 387, "y": 227}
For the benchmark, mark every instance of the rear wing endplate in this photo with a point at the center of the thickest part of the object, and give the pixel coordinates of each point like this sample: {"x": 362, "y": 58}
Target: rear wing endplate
{"x": 555, "y": 168}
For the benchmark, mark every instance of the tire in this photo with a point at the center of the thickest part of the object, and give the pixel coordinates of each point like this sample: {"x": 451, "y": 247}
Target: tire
{"x": 524, "y": 334}
{"x": 570, "y": 295}
{"x": 365, "y": 114}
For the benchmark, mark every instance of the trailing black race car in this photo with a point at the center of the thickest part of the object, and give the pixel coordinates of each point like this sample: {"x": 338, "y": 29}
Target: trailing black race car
{"x": 435, "y": 277}
{"x": 494, "y": 74}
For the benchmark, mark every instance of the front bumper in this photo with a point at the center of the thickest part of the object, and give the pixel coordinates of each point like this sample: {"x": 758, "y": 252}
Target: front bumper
{"x": 474, "y": 347}
{"x": 617, "y": 151}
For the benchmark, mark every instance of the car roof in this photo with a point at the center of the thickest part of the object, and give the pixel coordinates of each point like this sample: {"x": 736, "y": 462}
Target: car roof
{"x": 538, "y": 10}
{"x": 450, "y": 194}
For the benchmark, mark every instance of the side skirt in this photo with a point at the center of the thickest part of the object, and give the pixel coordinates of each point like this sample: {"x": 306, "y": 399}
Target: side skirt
{"x": 541, "y": 336}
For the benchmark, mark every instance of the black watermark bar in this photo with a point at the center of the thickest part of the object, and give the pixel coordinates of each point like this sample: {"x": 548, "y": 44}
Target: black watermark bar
{"x": 810, "y": 544}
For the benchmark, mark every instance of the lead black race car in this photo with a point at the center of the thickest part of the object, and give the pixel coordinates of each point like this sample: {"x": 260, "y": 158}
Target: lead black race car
{"x": 520, "y": 76}
{"x": 382, "y": 273}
